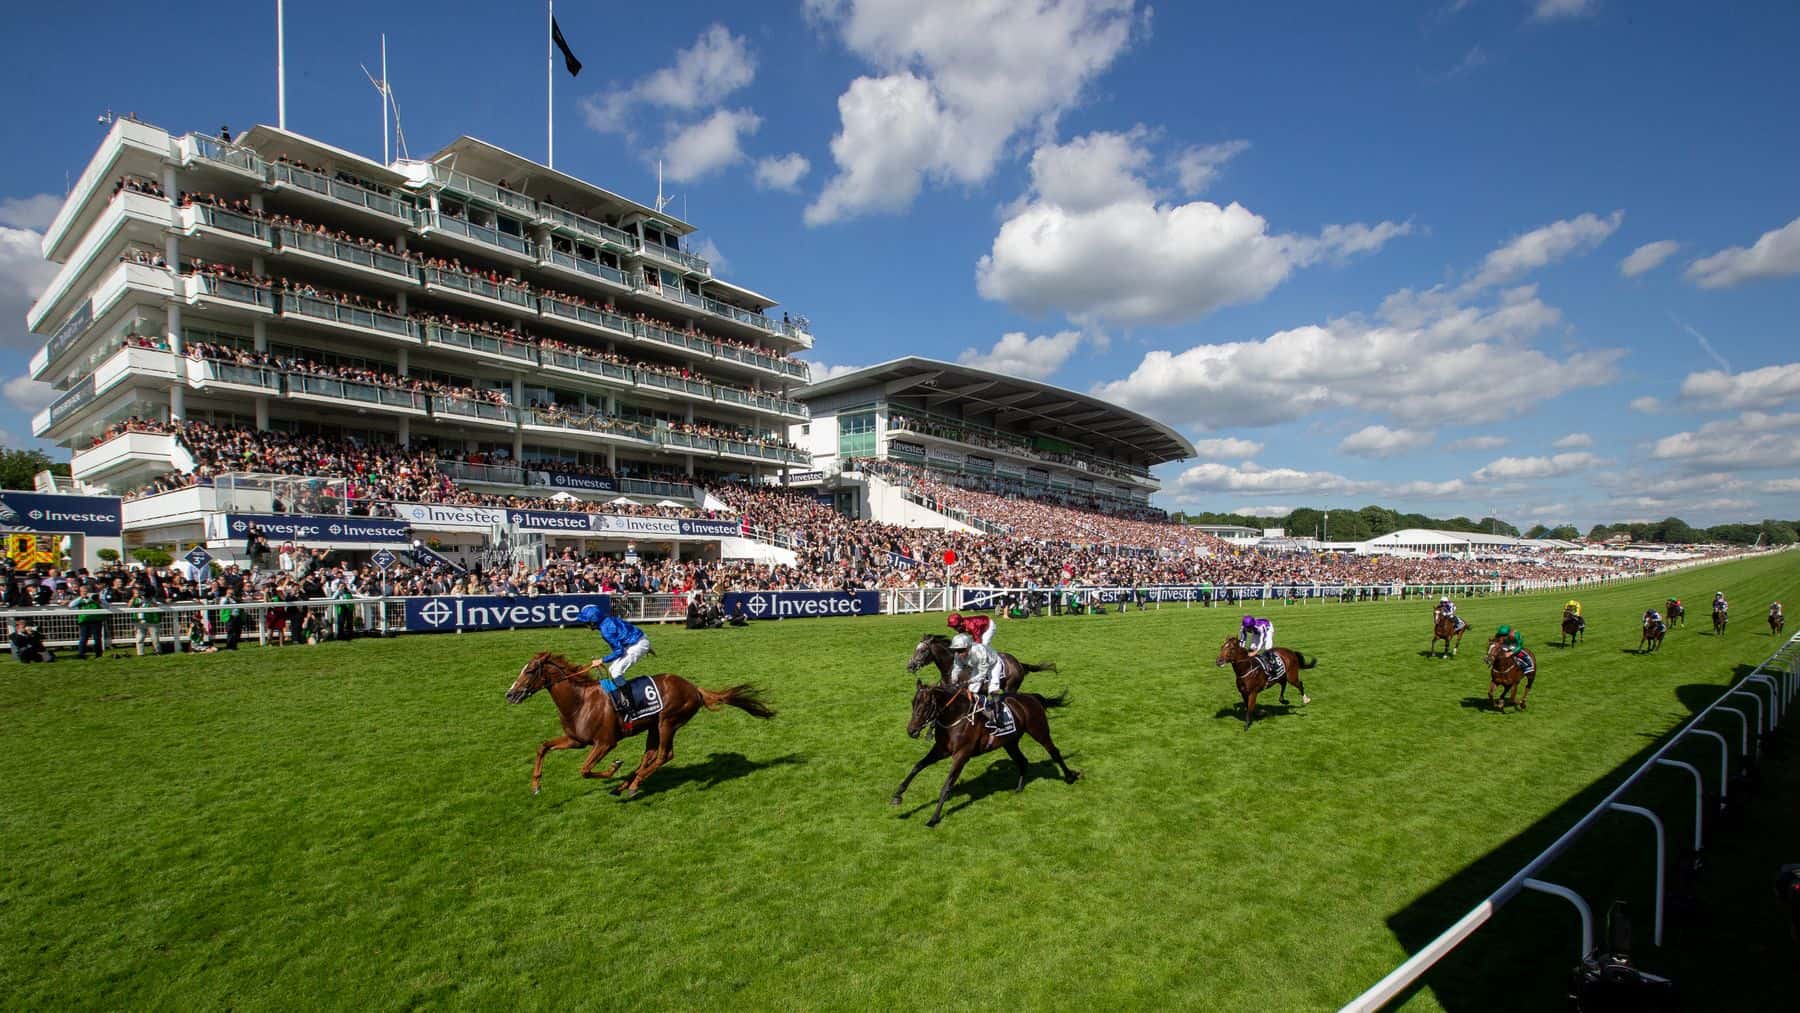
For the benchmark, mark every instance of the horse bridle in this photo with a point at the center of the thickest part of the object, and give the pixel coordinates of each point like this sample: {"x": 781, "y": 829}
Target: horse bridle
{"x": 567, "y": 675}
{"x": 935, "y": 714}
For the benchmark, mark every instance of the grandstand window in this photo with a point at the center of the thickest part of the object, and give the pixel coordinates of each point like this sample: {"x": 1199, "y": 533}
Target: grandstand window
{"x": 856, "y": 434}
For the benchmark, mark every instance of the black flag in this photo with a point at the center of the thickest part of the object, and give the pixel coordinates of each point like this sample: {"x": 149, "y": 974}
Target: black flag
{"x": 569, "y": 60}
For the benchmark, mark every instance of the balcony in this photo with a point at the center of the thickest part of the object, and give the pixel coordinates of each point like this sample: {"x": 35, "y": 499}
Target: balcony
{"x": 474, "y": 288}
{"x": 586, "y": 366}
{"x": 122, "y": 454}
{"x": 331, "y": 390}
{"x": 480, "y": 189}
{"x": 588, "y": 268}
{"x": 456, "y": 409}
{"x": 200, "y": 149}
{"x": 604, "y": 427}
{"x": 221, "y": 223}
{"x": 489, "y": 240}
{"x": 346, "y": 258}
{"x": 516, "y": 352}
{"x": 212, "y": 292}
{"x": 129, "y": 146}
{"x": 594, "y": 317}
{"x": 606, "y": 235}
{"x": 686, "y": 263}
{"x": 675, "y": 384}
{"x": 742, "y": 316}
{"x": 338, "y": 191}
{"x": 211, "y": 374}
{"x": 652, "y": 284}
{"x": 688, "y": 344}
{"x": 492, "y": 474}
{"x": 757, "y": 360}
{"x": 378, "y": 323}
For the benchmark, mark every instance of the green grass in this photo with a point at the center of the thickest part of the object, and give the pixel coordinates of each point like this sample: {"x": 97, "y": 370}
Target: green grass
{"x": 350, "y": 825}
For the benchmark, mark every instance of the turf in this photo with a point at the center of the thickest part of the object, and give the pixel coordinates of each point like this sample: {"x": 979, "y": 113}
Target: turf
{"x": 349, "y": 825}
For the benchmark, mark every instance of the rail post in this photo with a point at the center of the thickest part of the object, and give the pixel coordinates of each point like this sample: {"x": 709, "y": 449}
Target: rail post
{"x": 1724, "y": 758}
{"x": 1757, "y": 742}
{"x": 1699, "y": 795}
{"x": 1775, "y": 708}
{"x": 1661, "y": 857}
{"x": 1581, "y": 908}
{"x": 1743, "y": 727}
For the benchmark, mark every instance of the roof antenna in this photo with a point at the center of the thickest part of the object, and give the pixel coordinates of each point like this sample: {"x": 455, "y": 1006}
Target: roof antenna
{"x": 388, "y": 104}
{"x": 661, "y": 201}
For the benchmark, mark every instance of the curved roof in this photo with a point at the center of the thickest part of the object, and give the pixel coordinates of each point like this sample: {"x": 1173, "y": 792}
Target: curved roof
{"x": 1015, "y": 402}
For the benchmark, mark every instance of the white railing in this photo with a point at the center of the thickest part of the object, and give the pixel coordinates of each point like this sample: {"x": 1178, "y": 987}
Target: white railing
{"x": 1776, "y": 675}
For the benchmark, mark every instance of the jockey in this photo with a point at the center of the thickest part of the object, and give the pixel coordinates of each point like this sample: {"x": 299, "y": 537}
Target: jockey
{"x": 628, "y": 644}
{"x": 979, "y": 628}
{"x": 1573, "y": 608}
{"x": 1719, "y": 602}
{"x": 1510, "y": 640}
{"x": 1654, "y": 618}
{"x": 1447, "y": 609}
{"x": 1257, "y": 637}
{"x": 1775, "y": 610}
{"x": 983, "y": 669}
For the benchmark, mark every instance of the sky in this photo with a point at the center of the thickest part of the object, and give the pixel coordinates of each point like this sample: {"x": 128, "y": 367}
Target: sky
{"x": 1531, "y": 258}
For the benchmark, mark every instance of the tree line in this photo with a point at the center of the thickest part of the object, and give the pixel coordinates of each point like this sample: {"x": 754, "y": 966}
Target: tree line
{"x": 1375, "y": 521}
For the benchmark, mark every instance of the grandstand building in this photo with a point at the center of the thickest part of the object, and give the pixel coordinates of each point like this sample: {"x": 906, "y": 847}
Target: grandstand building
{"x": 870, "y": 428}
{"x": 538, "y": 333}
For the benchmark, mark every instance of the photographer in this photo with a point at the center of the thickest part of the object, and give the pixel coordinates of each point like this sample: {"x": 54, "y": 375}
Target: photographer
{"x": 90, "y": 623}
{"x": 27, "y": 643}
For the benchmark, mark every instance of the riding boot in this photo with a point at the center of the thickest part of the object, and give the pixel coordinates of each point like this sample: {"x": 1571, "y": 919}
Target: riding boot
{"x": 619, "y": 702}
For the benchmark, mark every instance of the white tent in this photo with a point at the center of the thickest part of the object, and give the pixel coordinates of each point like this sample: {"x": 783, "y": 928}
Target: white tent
{"x": 668, "y": 503}
{"x": 621, "y": 500}
{"x": 563, "y": 496}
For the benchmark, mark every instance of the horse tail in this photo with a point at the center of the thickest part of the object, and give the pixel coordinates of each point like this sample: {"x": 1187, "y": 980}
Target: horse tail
{"x": 1306, "y": 664}
{"x": 1048, "y": 666}
{"x": 1052, "y": 702}
{"x": 744, "y": 697}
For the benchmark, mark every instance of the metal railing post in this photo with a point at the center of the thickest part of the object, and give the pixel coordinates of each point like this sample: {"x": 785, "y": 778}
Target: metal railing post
{"x": 1661, "y": 857}
{"x": 1775, "y": 709}
{"x": 1581, "y": 908}
{"x": 1724, "y": 757}
{"x": 1757, "y": 742}
{"x": 1744, "y": 727}
{"x": 1699, "y": 795}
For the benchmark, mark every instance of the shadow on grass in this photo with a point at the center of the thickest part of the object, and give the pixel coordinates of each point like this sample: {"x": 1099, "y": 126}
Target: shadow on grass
{"x": 1481, "y": 703}
{"x": 1521, "y": 959}
{"x": 718, "y": 769}
{"x": 1000, "y": 778}
{"x": 1264, "y": 710}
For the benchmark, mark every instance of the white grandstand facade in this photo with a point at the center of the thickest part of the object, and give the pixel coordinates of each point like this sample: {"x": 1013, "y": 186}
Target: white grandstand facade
{"x": 519, "y": 322}
{"x": 975, "y": 427}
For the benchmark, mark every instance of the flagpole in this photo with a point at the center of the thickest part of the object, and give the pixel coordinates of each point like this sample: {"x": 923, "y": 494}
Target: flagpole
{"x": 280, "y": 66}
{"x": 385, "y": 159}
{"x": 550, "y": 87}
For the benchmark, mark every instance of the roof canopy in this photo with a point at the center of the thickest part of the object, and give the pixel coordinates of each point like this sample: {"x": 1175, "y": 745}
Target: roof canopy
{"x": 1015, "y": 404}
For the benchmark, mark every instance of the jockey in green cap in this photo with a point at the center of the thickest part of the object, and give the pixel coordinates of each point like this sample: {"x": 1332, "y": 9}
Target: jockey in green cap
{"x": 1509, "y": 638}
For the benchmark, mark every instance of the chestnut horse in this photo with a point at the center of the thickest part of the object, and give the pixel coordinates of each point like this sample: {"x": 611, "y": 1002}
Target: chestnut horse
{"x": 1653, "y": 636}
{"x": 1676, "y": 611}
{"x": 934, "y": 649}
{"x": 1719, "y": 618}
{"x": 588, "y": 719}
{"x": 1443, "y": 628}
{"x": 1572, "y": 630}
{"x": 1504, "y": 673}
{"x": 1777, "y": 623}
{"x": 961, "y": 734}
{"x": 1251, "y": 679}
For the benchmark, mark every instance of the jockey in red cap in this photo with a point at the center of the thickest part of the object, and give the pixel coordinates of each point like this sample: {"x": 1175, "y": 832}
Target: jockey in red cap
{"x": 979, "y": 628}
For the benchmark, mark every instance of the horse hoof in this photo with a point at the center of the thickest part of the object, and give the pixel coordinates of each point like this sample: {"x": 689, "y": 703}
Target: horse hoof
{"x": 894, "y": 801}
{"x": 534, "y": 789}
{"x": 932, "y": 822}
{"x": 1306, "y": 699}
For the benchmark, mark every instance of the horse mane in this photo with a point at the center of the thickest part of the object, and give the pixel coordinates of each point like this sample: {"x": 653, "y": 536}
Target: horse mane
{"x": 562, "y": 666}
{"x": 936, "y": 638}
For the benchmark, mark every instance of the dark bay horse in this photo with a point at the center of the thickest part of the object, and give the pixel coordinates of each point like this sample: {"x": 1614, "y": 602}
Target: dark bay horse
{"x": 1443, "y": 628}
{"x": 961, "y": 734}
{"x": 1719, "y": 617}
{"x": 1653, "y": 636}
{"x": 1251, "y": 679}
{"x": 1572, "y": 629}
{"x": 588, "y": 719}
{"x": 1777, "y": 623}
{"x": 1676, "y": 611}
{"x": 1504, "y": 673}
{"x": 934, "y": 649}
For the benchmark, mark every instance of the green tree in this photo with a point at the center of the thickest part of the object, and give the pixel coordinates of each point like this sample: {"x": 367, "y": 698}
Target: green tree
{"x": 1599, "y": 533}
{"x": 1566, "y": 532}
{"x": 17, "y": 467}
{"x": 1780, "y": 532}
{"x": 152, "y": 555}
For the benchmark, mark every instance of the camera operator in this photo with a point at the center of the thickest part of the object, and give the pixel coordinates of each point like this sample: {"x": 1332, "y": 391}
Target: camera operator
{"x": 27, "y": 643}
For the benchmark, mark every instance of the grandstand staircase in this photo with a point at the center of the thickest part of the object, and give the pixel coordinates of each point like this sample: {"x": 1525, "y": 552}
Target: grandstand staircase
{"x": 893, "y": 503}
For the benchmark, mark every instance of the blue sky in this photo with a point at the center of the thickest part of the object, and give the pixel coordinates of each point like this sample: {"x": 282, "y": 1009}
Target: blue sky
{"x": 1539, "y": 257}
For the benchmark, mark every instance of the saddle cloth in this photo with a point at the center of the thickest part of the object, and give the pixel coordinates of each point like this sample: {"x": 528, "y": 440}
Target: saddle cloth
{"x": 1007, "y": 724}
{"x": 1273, "y": 665}
{"x": 641, "y": 699}
{"x": 1461, "y": 624}
{"x": 1527, "y": 663}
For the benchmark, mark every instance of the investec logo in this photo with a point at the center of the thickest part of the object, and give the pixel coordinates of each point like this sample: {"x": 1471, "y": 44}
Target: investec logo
{"x": 560, "y": 522}
{"x": 80, "y": 517}
{"x": 783, "y": 608}
{"x": 459, "y": 614}
{"x": 427, "y": 513}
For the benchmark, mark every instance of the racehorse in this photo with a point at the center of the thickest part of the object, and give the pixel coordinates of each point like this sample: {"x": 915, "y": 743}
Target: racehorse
{"x": 1653, "y": 635}
{"x": 588, "y": 719}
{"x": 934, "y": 649}
{"x": 1253, "y": 679}
{"x": 961, "y": 734}
{"x": 1777, "y": 623}
{"x": 1719, "y": 618}
{"x": 1504, "y": 673}
{"x": 1677, "y": 612}
{"x": 1443, "y": 628}
{"x": 1572, "y": 629}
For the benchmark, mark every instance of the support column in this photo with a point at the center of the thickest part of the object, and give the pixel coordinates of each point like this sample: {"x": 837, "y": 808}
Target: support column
{"x": 675, "y": 552}
{"x": 256, "y": 201}
{"x": 177, "y": 402}
{"x": 259, "y": 267}
{"x": 259, "y": 334}
{"x": 406, "y": 430}
{"x": 400, "y": 301}
{"x": 612, "y": 458}
{"x": 404, "y": 357}
{"x": 518, "y": 401}
{"x": 262, "y": 414}
{"x": 690, "y": 464}
{"x": 173, "y": 333}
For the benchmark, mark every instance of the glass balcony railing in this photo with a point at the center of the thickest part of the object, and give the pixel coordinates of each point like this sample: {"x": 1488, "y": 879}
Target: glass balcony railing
{"x": 675, "y": 339}
{"x": 362, "y": 393}
{"x": 494, "y": 473}
{"x": 646, "y": 487}
{"x": 214, "y": 150}
{"x": 481, "y": 189}
{"x": 590, "y": 315}
{"x": 586, "y": 364}
{"x": 243, "y": 376}
{"x": 742, "y": 316}
{"x": 315, "y": 308}
{"x": 481, "y": 233}
{"x": 474, "y": 284}
{"x": 489, "y": 344}
{"x": 457, "y": 407}
{"x": 670, "y": 255}
{"x": 588, "y": 227}
{"x": 348, "y": 253}
{"x": 592, "y": 268}
{"x": 229, "y": 221}
{"x": 234, "y": 291}
{"x": 340, "y": 190}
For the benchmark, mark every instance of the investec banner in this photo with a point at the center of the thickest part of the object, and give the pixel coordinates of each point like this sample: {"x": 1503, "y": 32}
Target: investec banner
{"x": 448, "y": 614}
{"x": 60, "y": 515}
{"x": 464, "y": 518}
{"x": 803, "y": 604}
{"x": 591, "y": 483}
{"x": 310, "y": 528}
{"x": 453, "y": 518}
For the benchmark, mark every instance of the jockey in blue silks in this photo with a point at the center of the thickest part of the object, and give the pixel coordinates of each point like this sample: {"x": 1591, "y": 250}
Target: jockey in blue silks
{"x": 628, "y": 644}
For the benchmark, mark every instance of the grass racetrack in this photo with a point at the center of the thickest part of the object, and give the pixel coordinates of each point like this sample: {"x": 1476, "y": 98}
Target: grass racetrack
{"x": 350, "y": 826}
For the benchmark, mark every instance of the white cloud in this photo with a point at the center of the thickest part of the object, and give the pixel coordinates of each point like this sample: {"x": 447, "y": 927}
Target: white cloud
{"x": 23, "y": 274}
{"x": 1196, "y": 168}
{"x": 956, "y": 82}
{"x": 34, "y": 212}
{"x": 1545, "y": 245}
{"x": 1087, "y": 205}
{"x": 1753, "y": 440}
{"x": 1479, "y": 443}
{"x": 1380, "y": 441}
{"x": 709, "y": 251}
{"x": 817, "y": 371}
{"x": 782, "y": 172}
{"x": 1573, "y": 441}
{"x": 1563, "y": 10}
{"x": 1019, "y": 355}
{"x": 1646, "y": 405}
{"x": 699, "y": 149}
{"x": 1506, "y": 469}
{"x": 26, "y": 394}
{"x": 1779, "y": 485}
{"x": 1250, "y": 478}
{"x": 1775, "y": 255}
{"x": 1226, "y": 449}
{"x": 716, "y": 65}
{"x": 1648, "y": 257}
{"x": 1768, "y": 387}
{"x": 1423, "y": 363}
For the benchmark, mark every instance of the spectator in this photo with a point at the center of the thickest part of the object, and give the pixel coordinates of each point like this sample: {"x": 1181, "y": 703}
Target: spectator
{"x": 27, "y": 643}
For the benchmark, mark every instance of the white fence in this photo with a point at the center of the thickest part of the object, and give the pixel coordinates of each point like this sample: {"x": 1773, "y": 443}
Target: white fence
{"x": 1770, "y": 688}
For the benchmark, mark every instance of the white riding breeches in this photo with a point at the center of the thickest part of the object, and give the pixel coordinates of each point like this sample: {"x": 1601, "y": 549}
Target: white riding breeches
{"x": 617, "y": 669}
